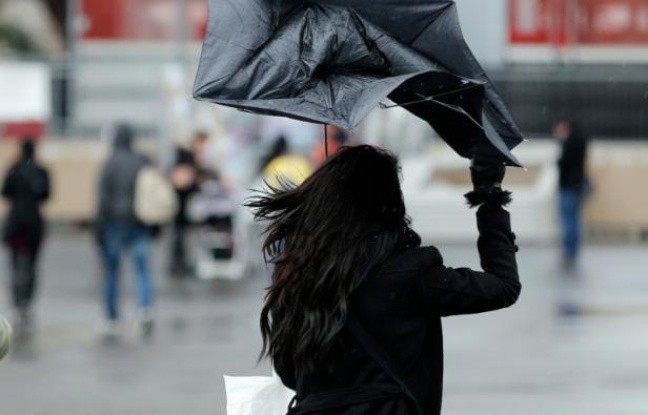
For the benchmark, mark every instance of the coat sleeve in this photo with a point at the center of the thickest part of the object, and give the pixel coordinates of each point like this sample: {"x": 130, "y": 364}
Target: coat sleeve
{"x": 449, "y": 291}
{"x": 103, "y": 194}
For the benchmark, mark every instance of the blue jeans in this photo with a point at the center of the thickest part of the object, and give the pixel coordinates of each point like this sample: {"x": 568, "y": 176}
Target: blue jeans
{"x": 137, "y": 240}
{"x": 570, "y": 219}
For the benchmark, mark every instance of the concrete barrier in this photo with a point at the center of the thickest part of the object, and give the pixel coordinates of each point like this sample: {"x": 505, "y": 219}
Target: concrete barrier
{"x": 74, "y": 167}
{"x": 433, "y": 185}
{"x": 435, "y": 182}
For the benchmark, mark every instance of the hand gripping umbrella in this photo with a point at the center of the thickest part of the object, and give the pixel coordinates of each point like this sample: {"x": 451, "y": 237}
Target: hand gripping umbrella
{"x": 333, "y": 61}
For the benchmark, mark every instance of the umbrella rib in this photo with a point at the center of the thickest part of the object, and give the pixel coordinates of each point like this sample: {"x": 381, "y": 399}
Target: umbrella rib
{"x": 460, "y": 110}
{"x": 431, "y": 97}
{"x": 433, "y": 100}
{"x": 465, "y": 88}
{"x": 387, "y": 107}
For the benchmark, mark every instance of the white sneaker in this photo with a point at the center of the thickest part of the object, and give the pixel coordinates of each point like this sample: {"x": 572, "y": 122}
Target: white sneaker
{"x": 146, "y": 322}
{"x": 109, "y": 330}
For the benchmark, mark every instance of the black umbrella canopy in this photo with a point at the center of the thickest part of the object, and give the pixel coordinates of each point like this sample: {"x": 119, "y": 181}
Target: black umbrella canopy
{"x": 333, "y": 61}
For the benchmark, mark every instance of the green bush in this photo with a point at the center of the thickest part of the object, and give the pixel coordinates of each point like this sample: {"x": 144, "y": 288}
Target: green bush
{"x": 14, "y": 40}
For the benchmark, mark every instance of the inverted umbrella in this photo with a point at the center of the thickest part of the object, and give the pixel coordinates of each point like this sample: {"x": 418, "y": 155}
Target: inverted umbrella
{"x": 333, "y": 61}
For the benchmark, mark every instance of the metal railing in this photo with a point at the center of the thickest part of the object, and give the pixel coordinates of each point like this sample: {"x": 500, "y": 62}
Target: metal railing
{"x": 609, "y": 102}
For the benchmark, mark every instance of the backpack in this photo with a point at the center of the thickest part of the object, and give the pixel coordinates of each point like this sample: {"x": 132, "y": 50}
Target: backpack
{"x": 155, "y": 199}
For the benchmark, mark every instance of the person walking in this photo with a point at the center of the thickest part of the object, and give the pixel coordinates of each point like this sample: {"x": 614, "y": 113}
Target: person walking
{"x": 184, "y": 178}
{"x": 120, "y": 228}
{"x": 572, "y": 187}
{"x": 26, "y": 188}
{"x": 352, "y": 319}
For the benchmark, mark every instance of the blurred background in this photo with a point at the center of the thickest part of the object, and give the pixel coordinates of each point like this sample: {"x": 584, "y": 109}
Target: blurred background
{"x": 575, "y": 344}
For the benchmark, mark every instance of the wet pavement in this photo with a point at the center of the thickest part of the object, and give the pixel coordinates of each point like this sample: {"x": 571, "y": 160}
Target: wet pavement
{"x": 526, "y": 360}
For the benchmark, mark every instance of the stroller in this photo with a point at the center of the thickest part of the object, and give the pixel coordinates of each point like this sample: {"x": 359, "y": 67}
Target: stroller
{"x": 212, "y": 210}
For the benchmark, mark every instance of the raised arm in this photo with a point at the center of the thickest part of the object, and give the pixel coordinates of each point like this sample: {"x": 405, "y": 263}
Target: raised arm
{"x": 449, "y": 291}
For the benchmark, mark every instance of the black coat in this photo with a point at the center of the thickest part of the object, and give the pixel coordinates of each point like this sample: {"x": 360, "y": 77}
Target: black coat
{"x": 26, "y": 187}
{"x": 571, "y": 164}
{"x": 117, "y": 186}
{"x": 185, "y": 158}
{"x": 401, "y": 306}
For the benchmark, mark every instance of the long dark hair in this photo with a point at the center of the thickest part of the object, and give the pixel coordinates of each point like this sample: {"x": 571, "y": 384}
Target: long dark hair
{"x": 325, "y": 237}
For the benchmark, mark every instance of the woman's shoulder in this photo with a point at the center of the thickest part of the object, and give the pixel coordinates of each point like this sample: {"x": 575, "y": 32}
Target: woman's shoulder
{"x": 412, "y": 260}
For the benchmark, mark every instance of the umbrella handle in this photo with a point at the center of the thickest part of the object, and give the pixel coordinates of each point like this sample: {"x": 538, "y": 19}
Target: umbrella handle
{"x": 326, "y": 152}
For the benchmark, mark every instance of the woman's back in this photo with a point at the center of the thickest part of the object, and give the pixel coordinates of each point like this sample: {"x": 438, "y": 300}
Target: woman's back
{"x": 387, "y": 306}
{"x": 400, "y": 306}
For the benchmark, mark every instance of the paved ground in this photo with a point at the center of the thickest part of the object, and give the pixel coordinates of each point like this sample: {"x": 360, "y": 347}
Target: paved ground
{"x": 526, "y": 360}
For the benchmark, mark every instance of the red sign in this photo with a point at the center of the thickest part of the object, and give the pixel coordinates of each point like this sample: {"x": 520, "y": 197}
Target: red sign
{"x": 529, "y": 20}
{"x": 144, "y": 19}
{"x": 613, "y": 21}
{"x": 27, "y": 129}
{"x": 564, "y": 22}
{"x": 103, "y": 18}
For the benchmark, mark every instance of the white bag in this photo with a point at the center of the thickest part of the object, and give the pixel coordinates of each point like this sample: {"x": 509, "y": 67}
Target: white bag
{"x": 257, "y": 395}
{"x": 155, "y": 200}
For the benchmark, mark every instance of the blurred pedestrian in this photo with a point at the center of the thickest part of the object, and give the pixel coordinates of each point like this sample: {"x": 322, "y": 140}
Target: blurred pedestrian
{"x": 282, "y": 165}
{"x": 184, "y": 178}
{"x": 120, "y": 228}
{"x": 573, "y": 187}
{"x": 352, "y": 320}
{"x": 26, "y": 188}
{"x": 199, "y": 149}
{"x": 278, "y": 148}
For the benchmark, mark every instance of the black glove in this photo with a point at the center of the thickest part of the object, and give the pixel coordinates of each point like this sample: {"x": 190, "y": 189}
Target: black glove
{"x": 487, "y": 183}
{"x": 486, "y": 175}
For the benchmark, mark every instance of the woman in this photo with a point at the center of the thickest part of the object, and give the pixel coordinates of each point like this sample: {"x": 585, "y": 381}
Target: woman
{"x": 352, "y": 320}
{"x": 26, "y": 187}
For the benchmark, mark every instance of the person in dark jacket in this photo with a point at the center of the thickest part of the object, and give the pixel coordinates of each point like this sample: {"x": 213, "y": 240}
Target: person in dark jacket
{"x": 572, "y": 187}
{"x": 119, "y": 228}
{"x": 26, "y": 188}
{"x": 184, "y": 178}
{"x": 350, "y": 272}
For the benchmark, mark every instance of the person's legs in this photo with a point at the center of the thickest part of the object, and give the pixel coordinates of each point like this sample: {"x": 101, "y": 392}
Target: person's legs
{"x": 179, "y": 266}
{"x": 20, "y": 287}
{"x": 112, "y": 244}
{"x": 15, "y": 278}
{"x": 21, "y": 278}
{"x": 31, "y": 272}
{"x": 577, "y": 230}
{"x": 139, "y": 244}
{"x": 571, "y": 222}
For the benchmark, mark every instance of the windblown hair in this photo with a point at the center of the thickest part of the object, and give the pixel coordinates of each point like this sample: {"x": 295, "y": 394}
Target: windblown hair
{"x": 325, "y": 237}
